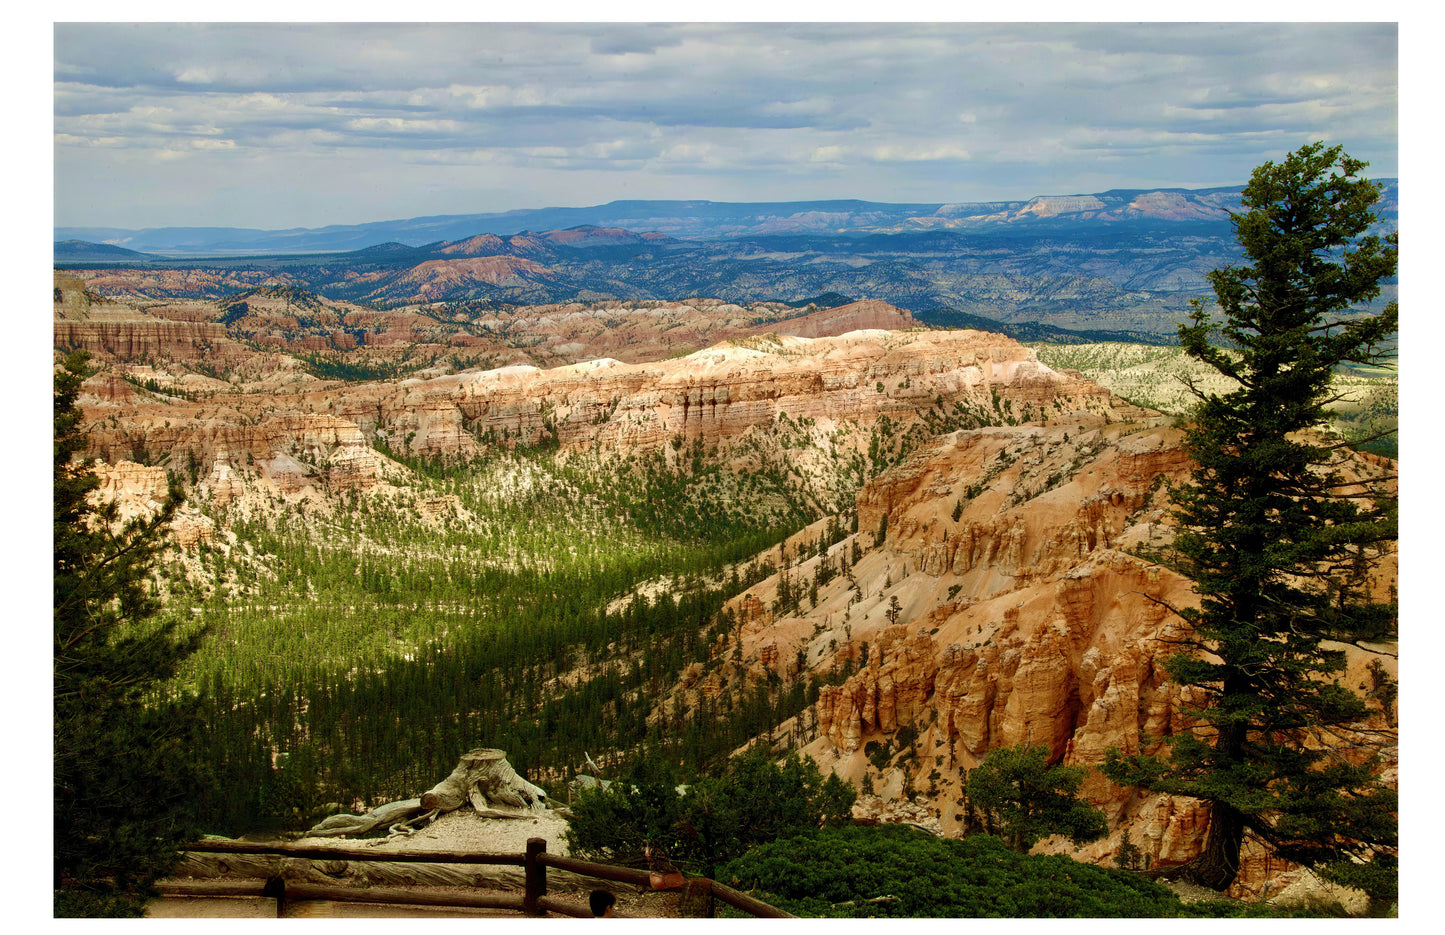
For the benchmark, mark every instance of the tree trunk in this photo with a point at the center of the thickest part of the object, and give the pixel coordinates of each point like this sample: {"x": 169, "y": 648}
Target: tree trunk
{"x": 1218, "y": 864}
{"x": 483, "y": 777}
{"x": 487, "y": 780}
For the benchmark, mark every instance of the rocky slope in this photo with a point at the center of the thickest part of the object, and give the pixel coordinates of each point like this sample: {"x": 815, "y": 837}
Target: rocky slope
{"x": 290, "y": 431}
{"x": 243, "y": 332}
{"x": 1006, "y": 602}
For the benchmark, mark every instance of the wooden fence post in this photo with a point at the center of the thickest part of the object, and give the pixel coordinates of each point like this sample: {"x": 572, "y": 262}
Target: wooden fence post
{"x": 275, "y": 888}
{"x": 697, "y": 899}
{"x": 536, "y": 876}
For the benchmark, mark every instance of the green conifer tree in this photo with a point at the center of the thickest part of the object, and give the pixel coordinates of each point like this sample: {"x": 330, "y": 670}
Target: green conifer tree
{"x": 124, "y": 769}
{"x": 1279, "y": 543}
{"x": 1027, "y": 799}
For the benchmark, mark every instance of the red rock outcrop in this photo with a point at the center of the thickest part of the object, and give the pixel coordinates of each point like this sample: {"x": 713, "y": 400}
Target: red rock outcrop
{"x": 263, "y": 316}
{"x": 145, "y": 338}
{"x": 138, "y": 490}
{"x": 1004, "y": 606}
{"x": 438, "y": 277}
{"x": 870, "y": 314}
{"x": 715, "y": 395}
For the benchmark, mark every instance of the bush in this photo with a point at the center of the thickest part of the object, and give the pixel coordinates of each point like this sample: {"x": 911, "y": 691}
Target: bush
{"x": 715, "y": 820}
{"x": 838, "y": 872}
{"x": 835, "y": 872}
{"x": 634, "y": 816}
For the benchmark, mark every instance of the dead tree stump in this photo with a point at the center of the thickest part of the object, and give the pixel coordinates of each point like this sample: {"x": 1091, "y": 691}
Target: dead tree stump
{"x": 483, "y": 778}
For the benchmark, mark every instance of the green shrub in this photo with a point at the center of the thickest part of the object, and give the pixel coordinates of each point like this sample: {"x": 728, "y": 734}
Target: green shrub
{"x": 835, "y": 872}
{"x": 897, "y": 871}
{"x": 1027, "y": 799}
{"x": 715, "y": 820}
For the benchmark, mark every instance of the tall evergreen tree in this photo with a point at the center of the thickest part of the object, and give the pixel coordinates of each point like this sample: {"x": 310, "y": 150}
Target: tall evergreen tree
{"x": 124, "y": 768}
{"x": 1280, "y": 543}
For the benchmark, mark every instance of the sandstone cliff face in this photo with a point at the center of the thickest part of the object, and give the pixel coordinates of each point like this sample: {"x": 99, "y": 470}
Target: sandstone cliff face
{"x": 258, "y": 319}
{"x": 1003, "y": 606}
{"x": 139, "y": 491}
{"x": 227, "y": 451}
{"x": 71, "y": 300}
{"x": 308, "y": 429}
{"x": 724, "y": 390}
{"x": 869, "y": 314}
{"x": 140, "y": 339}
{"x": 150, "y": 284}
{"x": 438, "y": 278}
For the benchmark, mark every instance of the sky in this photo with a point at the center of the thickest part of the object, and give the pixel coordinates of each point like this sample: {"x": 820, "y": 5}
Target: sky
{"x": 279, "y": 125}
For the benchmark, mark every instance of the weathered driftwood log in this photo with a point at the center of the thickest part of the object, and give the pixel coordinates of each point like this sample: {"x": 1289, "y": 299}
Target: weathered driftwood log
{"x": 483, "y": 778}
{"x": 383, "y": 816}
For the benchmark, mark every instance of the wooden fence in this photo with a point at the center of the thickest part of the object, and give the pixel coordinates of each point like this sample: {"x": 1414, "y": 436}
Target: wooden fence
{"x": 699, "y": 894}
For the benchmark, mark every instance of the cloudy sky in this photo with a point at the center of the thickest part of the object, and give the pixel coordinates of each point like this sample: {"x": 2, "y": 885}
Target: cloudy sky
{"x": 286, "y": 125}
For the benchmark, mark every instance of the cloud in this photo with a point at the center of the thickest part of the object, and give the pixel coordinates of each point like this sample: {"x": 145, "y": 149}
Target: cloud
{"x": 634, "y": 40}
{"x": 925, "y": 153}
{"x": 911, "y": 112}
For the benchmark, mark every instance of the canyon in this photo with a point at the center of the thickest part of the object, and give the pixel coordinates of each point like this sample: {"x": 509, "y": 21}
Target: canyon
{"x": 1013, "y": 599}
{"x": 1120, "y": 261}
{"x": 997, "y": 582}
{"x": 244, "y": 331}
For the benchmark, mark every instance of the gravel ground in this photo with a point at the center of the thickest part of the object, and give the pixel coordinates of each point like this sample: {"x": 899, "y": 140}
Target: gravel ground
{"x": 1190, "y": 893}
{"x": 462, "y": 830}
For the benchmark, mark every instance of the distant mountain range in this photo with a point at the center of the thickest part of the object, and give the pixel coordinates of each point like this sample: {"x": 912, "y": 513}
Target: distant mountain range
{"x": 683, "y": 219}
{"x": 85, "y": 250}
{"x": 1118, "y": 260}
{"x": 702, "y": 220}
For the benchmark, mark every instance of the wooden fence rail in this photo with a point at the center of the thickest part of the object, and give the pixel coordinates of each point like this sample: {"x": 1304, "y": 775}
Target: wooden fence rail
{"x": 534, "y": 901}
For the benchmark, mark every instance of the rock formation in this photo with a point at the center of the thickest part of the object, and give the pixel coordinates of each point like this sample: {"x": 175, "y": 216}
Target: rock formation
{"x": 1009, "y": 601}
{"x": 296, "y": 436}
{"x": 238, "y": 325}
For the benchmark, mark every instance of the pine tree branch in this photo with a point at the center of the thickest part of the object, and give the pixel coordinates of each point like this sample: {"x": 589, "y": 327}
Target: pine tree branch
{"x": 139, "y": 537}
{"x": 1360, "y": 441}
{"x": 1374, "y": 652}
{"x": 1162, "y": 603}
